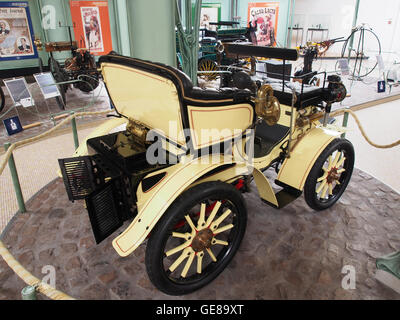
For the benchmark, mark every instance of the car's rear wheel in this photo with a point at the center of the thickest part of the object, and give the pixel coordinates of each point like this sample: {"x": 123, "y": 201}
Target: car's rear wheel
{"x": 196, "y": 238}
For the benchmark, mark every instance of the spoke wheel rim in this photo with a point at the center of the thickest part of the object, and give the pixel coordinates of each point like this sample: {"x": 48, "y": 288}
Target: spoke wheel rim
{"x": 208, "y": 65}
{"x": 333, "y": 175}
{"x": 195, "y": 249}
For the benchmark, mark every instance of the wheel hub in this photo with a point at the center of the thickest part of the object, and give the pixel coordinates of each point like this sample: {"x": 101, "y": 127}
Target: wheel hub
{"x": 332, "y": 176}
{"x": 202, "y": 240}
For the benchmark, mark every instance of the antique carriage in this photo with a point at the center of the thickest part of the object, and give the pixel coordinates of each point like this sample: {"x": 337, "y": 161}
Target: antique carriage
{"x": 179, "y": 169}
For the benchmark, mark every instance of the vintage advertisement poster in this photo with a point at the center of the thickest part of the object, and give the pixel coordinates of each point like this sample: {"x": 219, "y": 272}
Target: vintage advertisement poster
{"x": 16, "y": 32}
{"x": 210, "y": 12}
{"x": 263, "y": 19}
{"x": 92, "y": 26}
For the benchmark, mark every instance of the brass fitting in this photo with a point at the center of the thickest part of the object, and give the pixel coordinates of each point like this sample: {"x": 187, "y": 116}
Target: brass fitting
{"x": 267, "y": 106}
{"x": 138, "y": 131}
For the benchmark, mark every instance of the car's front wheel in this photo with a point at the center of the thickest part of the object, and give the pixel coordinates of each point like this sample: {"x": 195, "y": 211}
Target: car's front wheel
{"x": 330, "y": 175}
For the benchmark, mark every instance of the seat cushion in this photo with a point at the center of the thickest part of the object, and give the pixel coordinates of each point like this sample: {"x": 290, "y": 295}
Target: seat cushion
{"x": 238, "y": 95}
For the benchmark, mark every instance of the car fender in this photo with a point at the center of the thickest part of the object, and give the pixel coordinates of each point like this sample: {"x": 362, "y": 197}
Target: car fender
{"x": 294, "y": 170}
{"x": 178, "y": 178}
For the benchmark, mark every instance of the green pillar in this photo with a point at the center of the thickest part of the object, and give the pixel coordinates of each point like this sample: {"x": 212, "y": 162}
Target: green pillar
{"x": 121, "y": 23}
{"x": 152, "y": 30}
{"x": 354, "y": 24}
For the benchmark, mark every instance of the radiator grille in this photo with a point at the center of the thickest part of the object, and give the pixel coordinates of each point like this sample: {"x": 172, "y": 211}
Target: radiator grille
{"x": 103, "y": 212}
{"x": 78, "y": 177}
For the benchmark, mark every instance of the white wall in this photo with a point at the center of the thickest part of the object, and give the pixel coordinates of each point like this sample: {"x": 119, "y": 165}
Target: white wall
{"x": 382, "y": 16}
{"x": 337, "y": 16}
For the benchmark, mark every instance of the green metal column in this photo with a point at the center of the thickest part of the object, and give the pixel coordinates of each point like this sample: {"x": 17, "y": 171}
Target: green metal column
{"x": 121, "y": 17}
{"x": 354, "y": 24}
{"x": 15, "y": 180}
{"x": 152, "y": 30}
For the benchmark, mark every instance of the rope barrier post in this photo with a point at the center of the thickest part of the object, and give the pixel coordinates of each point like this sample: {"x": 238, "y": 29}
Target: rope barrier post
{"x": 75, "y": 131}
{"x": 15, "y": 179}
{"x": 345, "y": 121}
{"x": 29, "y": 293}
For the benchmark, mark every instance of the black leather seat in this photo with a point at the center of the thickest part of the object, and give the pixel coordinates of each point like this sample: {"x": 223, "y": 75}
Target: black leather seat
{"x": 190, "y": 94}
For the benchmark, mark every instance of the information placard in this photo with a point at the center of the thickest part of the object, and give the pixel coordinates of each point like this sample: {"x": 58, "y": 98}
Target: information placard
{"x": 47, "y": 85}
{"x": 19, "y": 92}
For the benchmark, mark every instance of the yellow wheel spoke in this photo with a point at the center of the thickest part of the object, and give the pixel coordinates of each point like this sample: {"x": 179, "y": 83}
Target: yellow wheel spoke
{"x": 340, "y": 162}
{"x": 220, "y": 219}
{"x": 213, "y": 213}
{"x": 216, "y": 241}
{"x": 200, "y": 256}
{"x": 330, "y": 163}
{"x": 320, "y": 187}
{"x": 324, "y": 191}
{"x": 177, "y": 249}
{"x": 188, "y": 264}
{"x": 338, "y": 154}
{"x": 330, "y": 189}
{"x": 211, "y": 255}
{"x": 323, "y": 177}
{"x": 181, "y": 235}
{"x": 224, "y": 228}
{"x": 201, "y": 223}
{"x": 189, "y": 220}
{"x": 182, "y": 257}
{"x": 341, "y": 171}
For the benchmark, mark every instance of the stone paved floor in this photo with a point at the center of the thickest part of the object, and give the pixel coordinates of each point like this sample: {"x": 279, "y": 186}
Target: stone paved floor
{"x": 293, "y": 253}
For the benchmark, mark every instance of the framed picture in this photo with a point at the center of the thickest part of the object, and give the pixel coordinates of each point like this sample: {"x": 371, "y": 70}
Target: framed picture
{"x": 16, "y": 32}
{"x": 210, "y": 12}
{"x": 263, "y": 16}
{"x": 92, "y": 26}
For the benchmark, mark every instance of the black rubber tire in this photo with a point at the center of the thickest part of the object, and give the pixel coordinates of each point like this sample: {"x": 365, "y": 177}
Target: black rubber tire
{"x": 176, "y": 212}
{"x": 310, "y": 194}
{"x": 2, "y": 99}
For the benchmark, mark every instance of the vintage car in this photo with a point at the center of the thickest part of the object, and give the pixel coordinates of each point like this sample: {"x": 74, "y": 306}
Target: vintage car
{"x": 211, "y": 51}
{"x": 177, "y": 172}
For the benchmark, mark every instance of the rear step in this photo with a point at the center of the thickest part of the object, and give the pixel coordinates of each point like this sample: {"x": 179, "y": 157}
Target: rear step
{"x": 284, "y": 197}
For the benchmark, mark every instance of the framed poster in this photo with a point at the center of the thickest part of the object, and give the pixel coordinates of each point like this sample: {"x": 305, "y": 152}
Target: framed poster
{"x": 210, "y": 12}
{"x": 264, "y": 17}
{"x": 16, "y": 32}
{"x": 92, "y": 26}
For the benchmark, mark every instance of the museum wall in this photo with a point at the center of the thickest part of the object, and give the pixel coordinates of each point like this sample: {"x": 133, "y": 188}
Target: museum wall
{"x": 337, "y": 16}
{"x": 63, "y": 15}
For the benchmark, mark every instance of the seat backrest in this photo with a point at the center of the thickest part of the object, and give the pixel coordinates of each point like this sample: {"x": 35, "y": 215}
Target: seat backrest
{"x": 142, "y": 94}
{"x": 163, "y": 98}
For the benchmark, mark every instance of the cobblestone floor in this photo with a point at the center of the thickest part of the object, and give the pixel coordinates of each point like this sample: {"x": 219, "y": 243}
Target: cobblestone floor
{"x": 293, "y": 253}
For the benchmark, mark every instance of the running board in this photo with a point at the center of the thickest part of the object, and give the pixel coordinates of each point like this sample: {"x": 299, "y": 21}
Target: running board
{"x": 267, "y": 195}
